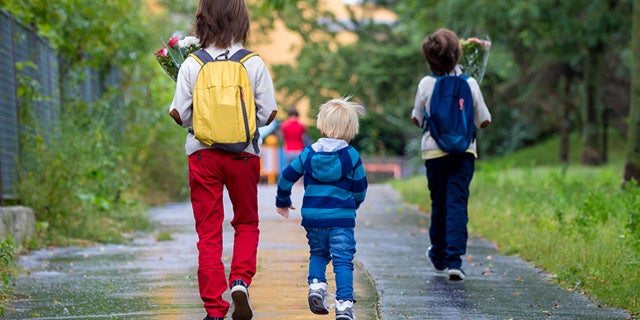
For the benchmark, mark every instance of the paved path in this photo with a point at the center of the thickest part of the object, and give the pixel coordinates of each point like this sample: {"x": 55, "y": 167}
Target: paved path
{"x": 392, "y": 240}
{"x": 152, "y": 279}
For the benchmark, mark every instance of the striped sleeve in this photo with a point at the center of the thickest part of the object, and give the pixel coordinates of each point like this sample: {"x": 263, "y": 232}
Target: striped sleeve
{"x": 287, "y": 179}
{"x": 360, "y": 184}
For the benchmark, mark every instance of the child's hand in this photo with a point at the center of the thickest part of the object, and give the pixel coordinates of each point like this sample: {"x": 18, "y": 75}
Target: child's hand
{"x": 285, "y": 211}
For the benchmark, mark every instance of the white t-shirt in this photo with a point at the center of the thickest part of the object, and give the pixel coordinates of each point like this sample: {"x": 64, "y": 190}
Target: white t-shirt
{"x": 262, "y": 89}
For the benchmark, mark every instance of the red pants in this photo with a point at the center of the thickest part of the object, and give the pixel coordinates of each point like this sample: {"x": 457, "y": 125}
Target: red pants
{"x": 209, "y": 171}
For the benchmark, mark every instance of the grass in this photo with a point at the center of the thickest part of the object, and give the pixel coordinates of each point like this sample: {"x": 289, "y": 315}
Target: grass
{"x": 577, "y": 223}
{"x": 164, "y": 236}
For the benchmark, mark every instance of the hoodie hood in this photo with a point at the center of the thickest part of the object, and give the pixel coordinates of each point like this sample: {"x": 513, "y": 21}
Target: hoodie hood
{"x": 329, "y": 161}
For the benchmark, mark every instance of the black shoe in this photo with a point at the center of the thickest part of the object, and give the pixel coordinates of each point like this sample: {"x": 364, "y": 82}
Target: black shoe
{"x": 456, "y": 274}
{"x": 439, "y": 266}
{"x": 240, "y": 296}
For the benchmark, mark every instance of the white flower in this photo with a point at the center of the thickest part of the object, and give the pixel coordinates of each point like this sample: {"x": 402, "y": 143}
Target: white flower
{"x": 189, "y": 41}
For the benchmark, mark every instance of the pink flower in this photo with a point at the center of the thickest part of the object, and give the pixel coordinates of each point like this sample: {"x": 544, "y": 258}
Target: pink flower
{"x": 173, "y": 42}
{"x": 162, "y": 53}
{"x": 173, "y": 54}
{"x": 484, "y": 43}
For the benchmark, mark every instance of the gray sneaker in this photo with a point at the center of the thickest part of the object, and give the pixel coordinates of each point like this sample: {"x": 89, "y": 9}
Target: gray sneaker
{"x": 318, "y": 297}
{"x": 344, "y": 310}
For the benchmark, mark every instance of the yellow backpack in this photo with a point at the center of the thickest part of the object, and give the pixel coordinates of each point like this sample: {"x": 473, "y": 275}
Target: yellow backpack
{"x": 224, "y": 110}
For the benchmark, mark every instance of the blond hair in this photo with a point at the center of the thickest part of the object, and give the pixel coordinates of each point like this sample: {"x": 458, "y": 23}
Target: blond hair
{"x": 338, "y": 119}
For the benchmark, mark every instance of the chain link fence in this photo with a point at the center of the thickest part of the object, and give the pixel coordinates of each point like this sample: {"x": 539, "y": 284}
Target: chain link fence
{"x": 30, "y": 59}
{"x": 30, "y": 66}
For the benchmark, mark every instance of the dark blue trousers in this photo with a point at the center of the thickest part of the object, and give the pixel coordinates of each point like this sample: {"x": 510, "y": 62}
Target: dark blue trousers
{"x": 449, "y": 178}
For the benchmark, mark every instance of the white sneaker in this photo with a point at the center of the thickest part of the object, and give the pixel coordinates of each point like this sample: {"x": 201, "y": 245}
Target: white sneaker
{"x": 318, "y": 297}
{"x": 240, "y": 297}
{"x": 344, "y": 310}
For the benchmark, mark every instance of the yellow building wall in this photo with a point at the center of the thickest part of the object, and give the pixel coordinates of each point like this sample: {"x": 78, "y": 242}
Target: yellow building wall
{"x": 282, "y": 45}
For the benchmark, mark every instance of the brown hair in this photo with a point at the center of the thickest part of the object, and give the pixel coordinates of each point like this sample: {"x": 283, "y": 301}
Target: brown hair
{"x": 442, "y": 51}
{"x": 221, "y": 22}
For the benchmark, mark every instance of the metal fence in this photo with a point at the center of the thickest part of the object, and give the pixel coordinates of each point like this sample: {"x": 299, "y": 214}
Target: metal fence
{"x": 29, "y": 61}
{"x": 26, "y": 57}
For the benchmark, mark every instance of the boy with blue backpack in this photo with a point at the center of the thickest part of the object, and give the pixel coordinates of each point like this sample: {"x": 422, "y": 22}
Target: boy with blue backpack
{"x": 448, "y": 106}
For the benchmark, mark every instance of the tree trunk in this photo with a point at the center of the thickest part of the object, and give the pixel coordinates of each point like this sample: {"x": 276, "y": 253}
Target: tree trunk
{"x": 592, "y": 139}
{"x": 605, "y": 134}
{"x": 565, "y": 122}
{"x": 564, "y": 135}
{"x": 632, "y": 165}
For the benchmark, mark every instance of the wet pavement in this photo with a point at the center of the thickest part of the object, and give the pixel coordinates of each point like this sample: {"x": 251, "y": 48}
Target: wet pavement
{"x": 152, "y": 279}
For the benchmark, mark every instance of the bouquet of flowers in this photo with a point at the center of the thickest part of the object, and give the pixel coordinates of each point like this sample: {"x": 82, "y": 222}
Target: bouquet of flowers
{"x": 174, "y": 52}
{"x": 475, "y": 55}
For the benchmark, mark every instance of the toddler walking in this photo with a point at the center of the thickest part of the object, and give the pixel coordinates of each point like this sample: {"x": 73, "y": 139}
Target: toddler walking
{"x": 335, "y": 185}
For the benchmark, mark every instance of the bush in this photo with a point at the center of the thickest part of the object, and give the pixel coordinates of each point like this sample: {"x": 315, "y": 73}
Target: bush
{"x": 76, "y": 179}
{"x": 7, "y": 272}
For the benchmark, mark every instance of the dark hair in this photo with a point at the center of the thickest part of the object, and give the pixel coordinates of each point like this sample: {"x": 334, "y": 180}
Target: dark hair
{"x": 442, "y": 51}
{"x": 293, "y": 112}
{"x": 221, "y": 22}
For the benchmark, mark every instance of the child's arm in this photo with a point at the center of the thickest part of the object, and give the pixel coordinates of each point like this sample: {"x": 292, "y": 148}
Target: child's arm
{"x": 360, "y": 183}
{"x": 482, "y": 116}
{"x": 182, "y": 105}
{"x": 417, "y": 113}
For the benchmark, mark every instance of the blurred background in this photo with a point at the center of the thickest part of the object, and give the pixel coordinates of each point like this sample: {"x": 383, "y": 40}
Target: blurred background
{"x": 83, "y": 103}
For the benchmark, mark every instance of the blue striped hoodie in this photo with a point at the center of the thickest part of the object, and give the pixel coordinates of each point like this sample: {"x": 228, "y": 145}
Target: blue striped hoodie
{"x": 334, "y": 180}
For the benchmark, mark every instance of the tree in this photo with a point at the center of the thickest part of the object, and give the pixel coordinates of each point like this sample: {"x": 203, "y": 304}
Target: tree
{"x": 377, "y": 69}
{"x": 535, "y": 46}
{"x": 531, "y": 46}
{"x": 632, "y": 165}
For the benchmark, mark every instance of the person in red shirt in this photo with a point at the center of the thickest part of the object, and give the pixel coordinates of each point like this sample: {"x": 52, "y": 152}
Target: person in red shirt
{"x": 293, "y": 134}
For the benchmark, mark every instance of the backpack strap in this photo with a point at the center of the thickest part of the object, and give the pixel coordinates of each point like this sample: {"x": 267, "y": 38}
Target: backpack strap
{"x": 202, "y": 56}
{"x": 242, "y": 55}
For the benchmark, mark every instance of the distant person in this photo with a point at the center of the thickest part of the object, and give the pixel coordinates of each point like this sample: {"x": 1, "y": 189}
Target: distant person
{"x": 448, "y": 174}
{"x": 294, "y": 135}
{"x": 222, "y": 26}
{"x": 335, "y": 186}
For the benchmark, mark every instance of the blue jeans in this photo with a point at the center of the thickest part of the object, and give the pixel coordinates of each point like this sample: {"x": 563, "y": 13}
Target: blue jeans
{"x": 449, "y": 178}
{"x": 339, "y": 245}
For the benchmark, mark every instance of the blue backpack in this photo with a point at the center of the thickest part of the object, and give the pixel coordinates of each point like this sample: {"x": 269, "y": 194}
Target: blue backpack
{"x": 451, "y": 118}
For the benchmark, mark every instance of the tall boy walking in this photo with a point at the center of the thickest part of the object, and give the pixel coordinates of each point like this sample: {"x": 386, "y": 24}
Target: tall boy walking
{"x": 449, "y": 174}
